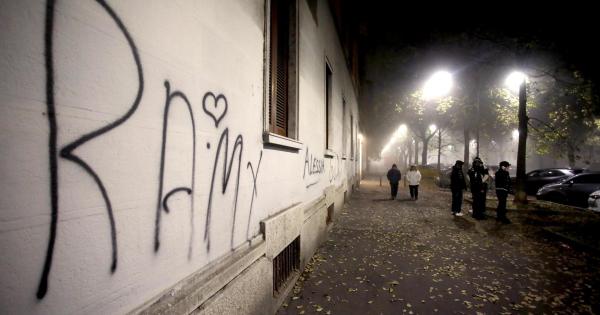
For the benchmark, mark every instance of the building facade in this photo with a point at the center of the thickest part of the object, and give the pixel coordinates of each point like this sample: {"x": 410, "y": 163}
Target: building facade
{"x": 170, "y": 156}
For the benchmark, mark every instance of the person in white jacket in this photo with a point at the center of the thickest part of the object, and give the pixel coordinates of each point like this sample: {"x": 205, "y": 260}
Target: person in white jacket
{"x": 414, "y": 178}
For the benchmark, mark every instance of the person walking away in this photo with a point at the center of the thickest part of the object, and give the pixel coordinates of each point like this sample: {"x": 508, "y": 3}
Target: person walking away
{"x": 393, "y": 176}
{"x": 478, "y": 176}
{"x": 414, "y": 178}
{"x": 503, "y": 187}
{"x": 457, "y": 185}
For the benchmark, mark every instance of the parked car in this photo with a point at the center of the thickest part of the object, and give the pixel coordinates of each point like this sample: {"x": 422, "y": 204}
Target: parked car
{"x": 443, "y": 179}
{"x": 574, "y": 190}
{"x": 534, "y": 180}
{"x": 594, "y": 201}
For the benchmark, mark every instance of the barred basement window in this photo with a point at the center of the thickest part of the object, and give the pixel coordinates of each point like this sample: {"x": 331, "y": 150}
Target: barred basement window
{"x": 329, "y": 218}
{"x": 285, "y": 264}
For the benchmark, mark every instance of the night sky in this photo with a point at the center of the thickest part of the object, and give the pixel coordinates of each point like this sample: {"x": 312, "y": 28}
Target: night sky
{"x": 401, "y": 44}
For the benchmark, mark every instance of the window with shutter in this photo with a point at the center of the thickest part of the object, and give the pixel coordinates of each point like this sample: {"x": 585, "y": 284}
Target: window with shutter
{"x": 282, "y": 68}
{"x": 344, "y": 137}
{"x": 328, "y": 83}
{"x": 351, "y": 136}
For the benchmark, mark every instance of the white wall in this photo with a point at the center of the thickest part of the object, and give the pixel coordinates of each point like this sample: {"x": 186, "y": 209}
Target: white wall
{"x": 109, "y": 133}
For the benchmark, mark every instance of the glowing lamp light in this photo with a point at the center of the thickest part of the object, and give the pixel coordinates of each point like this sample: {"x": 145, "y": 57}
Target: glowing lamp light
{"x": 514, "y": 80}
{"x": 438, "y": 85}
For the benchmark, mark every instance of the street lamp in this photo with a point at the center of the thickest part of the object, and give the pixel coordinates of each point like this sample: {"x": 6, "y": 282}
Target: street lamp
{"x": 514, "y": 79}
{"x": 401, "y": 132}
{"x": 519, "y": 79}
{"x": 432, "y": 128}
{"x": 515, "y": 134}
{"x": 400, "y": 135}
{"x": 438, "y": 85}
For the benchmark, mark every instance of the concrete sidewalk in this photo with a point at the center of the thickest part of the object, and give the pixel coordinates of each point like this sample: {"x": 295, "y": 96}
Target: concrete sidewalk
{"x": 407, "y": 257}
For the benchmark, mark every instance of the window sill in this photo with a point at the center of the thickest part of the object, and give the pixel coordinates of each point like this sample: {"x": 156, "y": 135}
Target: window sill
{"x": 271, "y": 139}
{"x": 329, "y": 154}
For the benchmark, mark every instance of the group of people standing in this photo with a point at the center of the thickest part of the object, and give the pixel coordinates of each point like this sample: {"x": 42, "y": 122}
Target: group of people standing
{"x": 479, "y": 178}
{"x": 413, "y": 177}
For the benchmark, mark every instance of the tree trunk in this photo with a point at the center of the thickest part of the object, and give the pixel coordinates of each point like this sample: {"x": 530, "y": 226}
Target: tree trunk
{"x": 466, "y": 150}
{"x": 416, "y": 152}
{"x": 571, "y": 155}
{"x": 409, "y": 153}
{"x": 425, "y": 149}
{"x": 478, "y": 121}
{"x": 439, "y": 167}
{"x": 520, "y": 194}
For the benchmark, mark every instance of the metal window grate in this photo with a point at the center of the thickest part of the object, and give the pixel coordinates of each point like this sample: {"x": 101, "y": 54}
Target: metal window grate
{"x": 329, "y": 219}
{"x": 285, "y": 264}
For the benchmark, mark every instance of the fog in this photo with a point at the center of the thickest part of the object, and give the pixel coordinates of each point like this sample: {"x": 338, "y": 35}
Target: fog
{"x": 478, "y": 114}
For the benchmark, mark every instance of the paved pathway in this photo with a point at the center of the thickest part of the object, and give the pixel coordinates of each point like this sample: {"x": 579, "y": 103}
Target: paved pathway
{"x": 413, "y": 257}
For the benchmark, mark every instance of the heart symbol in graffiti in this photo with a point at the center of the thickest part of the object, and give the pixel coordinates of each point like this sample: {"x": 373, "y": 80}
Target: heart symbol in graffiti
{"x": 213, "y": 105}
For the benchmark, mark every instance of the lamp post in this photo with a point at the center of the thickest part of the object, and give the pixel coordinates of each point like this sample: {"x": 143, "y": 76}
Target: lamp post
{"x": 437, "y": 86}
{"x": 513, "y": 80}
{"x": 433, "y": 129}
{"x": 514, "y": 143}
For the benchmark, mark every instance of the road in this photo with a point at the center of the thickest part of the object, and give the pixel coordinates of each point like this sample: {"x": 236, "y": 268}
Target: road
{"x": 413, "y": 257}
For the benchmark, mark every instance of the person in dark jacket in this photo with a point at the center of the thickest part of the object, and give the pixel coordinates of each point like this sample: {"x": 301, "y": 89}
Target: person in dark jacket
{"x": 393, "y": 175}
{"x": 503, "y": 187}
{"x": 457, "y": 185}
{"x": 478, "y": 177}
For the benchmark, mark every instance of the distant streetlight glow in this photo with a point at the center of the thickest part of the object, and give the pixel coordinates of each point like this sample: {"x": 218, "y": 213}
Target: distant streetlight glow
{"x": 514, "y": 80}
{"x": 515, "y": 134}
{"x": 438, "y": 85}
{"x": 385, "y": 149}
{"x": 401, "y": 132}
{"x": 432, "y": 128}
{"x": 398, "y": 135}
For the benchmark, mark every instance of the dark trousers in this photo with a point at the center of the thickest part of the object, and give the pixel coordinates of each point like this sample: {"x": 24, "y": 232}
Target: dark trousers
{"x": 478, "y": 205}
{"x": 457, "y": 199}
{"x": 501, "y": 210}
{"x": 394, "y": 187}
{"x": 414, "y": 191}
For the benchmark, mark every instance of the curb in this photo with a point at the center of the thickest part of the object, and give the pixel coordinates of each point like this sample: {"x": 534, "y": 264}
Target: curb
{"x": 570, "y": 240}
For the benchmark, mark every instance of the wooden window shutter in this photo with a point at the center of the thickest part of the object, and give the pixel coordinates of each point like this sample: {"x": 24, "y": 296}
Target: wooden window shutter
{"x": 278, "y": 68}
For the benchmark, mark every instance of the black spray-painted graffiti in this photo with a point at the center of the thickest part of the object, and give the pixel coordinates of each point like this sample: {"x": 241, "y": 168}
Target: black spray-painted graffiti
{"x": 314, "y": 166}
{"x": 215, "y": 106}
{"x": 254, "y": 191}
{"x": 239, "y": 144}
{"x": 334, "y": 168}
{"x": 189, "y": 190}
{"x": 67, "y": 152}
